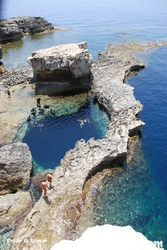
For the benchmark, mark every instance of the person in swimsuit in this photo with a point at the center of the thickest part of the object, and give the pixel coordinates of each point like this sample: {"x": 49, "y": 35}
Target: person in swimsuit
{"x": 44, "y": 187}
{"x": 50, "y": 178}
{"x": 8, "y": 92}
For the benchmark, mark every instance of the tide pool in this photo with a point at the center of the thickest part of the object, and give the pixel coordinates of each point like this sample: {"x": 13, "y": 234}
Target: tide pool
{"x": 56, "y": 134}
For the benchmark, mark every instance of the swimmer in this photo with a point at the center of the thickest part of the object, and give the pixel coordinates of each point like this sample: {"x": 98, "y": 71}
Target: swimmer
{"x": 44, "y": 187}
{"x": 81, "y": 122}
{"x": 50, "y": 178}
{"x": 86, "y": 120}
{"x": 36, "y": 124}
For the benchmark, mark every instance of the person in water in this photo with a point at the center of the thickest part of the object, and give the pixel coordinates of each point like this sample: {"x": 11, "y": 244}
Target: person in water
{"x": 86, "y": 120}
{"x": 44, "y": 187}
{"x": 50, "y": 178}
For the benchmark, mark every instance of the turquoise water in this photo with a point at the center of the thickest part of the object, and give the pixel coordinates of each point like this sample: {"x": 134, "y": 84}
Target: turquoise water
{"x": 138, "y": 195}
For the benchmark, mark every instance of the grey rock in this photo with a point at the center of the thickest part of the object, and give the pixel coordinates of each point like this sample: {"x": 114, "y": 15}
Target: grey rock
{"x": 15, "y": 167}
{"x": 62, "y": 69}
{"x": 13, "y": 29}
{"x": 17, "y": 76}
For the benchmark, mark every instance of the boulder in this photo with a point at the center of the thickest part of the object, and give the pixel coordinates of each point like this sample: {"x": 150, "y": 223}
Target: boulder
{"x": 15, "y": 167}
{"x": 108, "y": 237}
{"x": 13, "y": 29}
{"x": 13, "y": 207}
{"x": 61, "y": 69}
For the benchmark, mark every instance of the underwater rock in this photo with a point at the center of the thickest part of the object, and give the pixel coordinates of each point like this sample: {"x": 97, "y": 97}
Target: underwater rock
{"x": 62, "y": 69}
{"x": 15, "y": 167}
{"x": 13, "y": 29}
{"x": 13, "y": 207}
{"x": 108, "y": 237}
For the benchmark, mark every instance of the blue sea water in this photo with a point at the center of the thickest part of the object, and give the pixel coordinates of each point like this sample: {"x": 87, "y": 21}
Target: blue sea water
{"x": 137, "y": 197}
{"x": 55, "y": 135}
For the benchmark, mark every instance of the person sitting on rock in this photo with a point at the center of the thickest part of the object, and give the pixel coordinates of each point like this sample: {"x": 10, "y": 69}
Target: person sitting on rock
{"x": 33, "y": 111}
{"x": 44, "y": 187}
{"x": 50, "y": 178}
{"x": 52, "y": 111}
{"x": 40, "y": 110}
{"x": 29, "y": 119}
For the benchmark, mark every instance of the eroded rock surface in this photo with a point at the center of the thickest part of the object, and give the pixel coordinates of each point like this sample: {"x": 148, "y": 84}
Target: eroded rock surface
{"x": 62, "y": 69}
{"x": 15, "y": 167}
{"x": 12, "y": 208}
{"x": 13, "y": 29}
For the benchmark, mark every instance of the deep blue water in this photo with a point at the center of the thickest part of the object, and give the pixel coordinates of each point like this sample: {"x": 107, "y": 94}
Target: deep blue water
{"x": 137, "y": 196}
{"x": 55, "y": 135}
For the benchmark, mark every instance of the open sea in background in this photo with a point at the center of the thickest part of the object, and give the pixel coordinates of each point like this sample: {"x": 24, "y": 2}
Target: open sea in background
{"x": 135, "y": 197}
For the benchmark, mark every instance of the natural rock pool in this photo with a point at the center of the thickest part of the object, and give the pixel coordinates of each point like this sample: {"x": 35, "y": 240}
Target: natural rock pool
{"x": 57, "y": 133}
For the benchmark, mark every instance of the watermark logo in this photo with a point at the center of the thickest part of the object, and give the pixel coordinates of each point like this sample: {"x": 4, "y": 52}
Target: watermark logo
{"x": 158, "y": 244}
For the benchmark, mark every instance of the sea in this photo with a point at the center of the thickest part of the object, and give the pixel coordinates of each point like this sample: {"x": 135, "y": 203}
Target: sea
{"x": 138, "y": 195}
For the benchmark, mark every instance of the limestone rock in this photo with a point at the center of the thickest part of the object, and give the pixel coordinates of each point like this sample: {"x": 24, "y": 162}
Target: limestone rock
{"x": 13, "y": 29}
{"x": 17, "y": 76}
{"x": 62, "y": 68}
{"x": 15, "y": 167}
{"x": 108, "y": 237}
{"x": 13, "y": 207}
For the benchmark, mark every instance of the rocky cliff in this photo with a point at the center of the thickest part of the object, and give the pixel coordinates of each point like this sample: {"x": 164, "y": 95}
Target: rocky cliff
{"x": 51, "y": 219}
{"x": 62, "y": 69}
{"x": 13, "y": 29}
